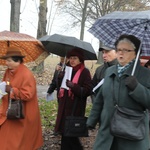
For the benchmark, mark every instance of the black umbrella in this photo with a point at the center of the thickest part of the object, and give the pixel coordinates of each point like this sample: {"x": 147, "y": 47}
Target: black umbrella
{"x": 60, "y": 45}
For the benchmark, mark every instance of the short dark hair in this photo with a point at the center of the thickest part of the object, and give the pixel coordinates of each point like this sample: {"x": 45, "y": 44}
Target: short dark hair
{"x": 17, "y": 59}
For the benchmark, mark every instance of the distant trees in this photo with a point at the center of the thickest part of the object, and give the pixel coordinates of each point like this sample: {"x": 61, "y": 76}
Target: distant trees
{"x": 85, "y": 12}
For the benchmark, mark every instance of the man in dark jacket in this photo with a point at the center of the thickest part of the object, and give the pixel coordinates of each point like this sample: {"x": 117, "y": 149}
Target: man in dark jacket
{"x": 109, "y": 57}
{"x": 54, "y": 85}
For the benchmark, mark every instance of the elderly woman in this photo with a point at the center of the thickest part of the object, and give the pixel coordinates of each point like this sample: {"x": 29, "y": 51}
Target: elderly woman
{"x": 20, "y": 134}
{"x": 80, "y": 79}
{"x": 130, "y": 91}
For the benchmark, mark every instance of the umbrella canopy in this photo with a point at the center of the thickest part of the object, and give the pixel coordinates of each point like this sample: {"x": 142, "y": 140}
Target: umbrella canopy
{"x": 60, "y": 45}
{"x": 109, "y": 27}
{"x": 31, "y": 48}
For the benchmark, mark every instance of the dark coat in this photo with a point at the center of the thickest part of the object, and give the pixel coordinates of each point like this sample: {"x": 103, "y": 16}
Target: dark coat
{"x": 100, "y": 72}
{"x": 99, "y": 75}
{"x": 54, "y": 83}
{"x": 66, "y": 103}
{"x": 103, "y": 107}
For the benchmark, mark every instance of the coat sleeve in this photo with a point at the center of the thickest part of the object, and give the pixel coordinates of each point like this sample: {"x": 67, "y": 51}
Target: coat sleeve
{"x": 53, "y": 84}
{"x": 96, "y": 110}
{"x": 141, "y": 94}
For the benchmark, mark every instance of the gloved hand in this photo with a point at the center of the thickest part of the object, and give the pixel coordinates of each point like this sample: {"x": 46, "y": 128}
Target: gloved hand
{"x": 131, "y": 82}
{"x": 8, "y": 88}
{"x": 69, "y": 84}
{"x": 61, "y": 74}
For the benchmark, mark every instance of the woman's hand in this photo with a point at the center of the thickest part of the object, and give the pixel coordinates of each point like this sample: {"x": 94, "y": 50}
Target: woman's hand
{"x": 8, "y": 88}
{"x": 69, "y": 84}
{"x": 131, "y": 82}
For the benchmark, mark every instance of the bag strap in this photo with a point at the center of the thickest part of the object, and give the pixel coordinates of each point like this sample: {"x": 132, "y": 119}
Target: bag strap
{"x": 75, "y": 103}
{"x": 9, "y": 101}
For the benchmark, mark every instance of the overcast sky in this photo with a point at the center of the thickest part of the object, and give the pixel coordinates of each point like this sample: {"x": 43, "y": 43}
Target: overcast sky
{"x": 29, "y": 20}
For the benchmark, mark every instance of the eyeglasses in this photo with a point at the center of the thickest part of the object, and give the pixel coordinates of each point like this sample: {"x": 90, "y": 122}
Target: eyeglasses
{"x": 124, "y": 50}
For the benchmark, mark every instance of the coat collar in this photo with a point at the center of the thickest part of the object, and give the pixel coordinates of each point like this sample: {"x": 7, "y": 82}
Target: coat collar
{"x": 111, "y": 63}
{"x": 114, "y": 72}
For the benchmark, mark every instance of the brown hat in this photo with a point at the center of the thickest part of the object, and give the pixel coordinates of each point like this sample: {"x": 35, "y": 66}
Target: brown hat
{"x": 12, "y": 51}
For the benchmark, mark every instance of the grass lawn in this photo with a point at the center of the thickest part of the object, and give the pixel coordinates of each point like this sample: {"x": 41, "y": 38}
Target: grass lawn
{"x": 48, "y": 111}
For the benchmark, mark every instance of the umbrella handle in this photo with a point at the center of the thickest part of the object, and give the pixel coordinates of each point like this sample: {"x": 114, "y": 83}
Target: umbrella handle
{"x": 136, "y": 60}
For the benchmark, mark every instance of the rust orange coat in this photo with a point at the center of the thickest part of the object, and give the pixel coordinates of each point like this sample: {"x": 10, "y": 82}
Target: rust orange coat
{"x": 22, "y": 134}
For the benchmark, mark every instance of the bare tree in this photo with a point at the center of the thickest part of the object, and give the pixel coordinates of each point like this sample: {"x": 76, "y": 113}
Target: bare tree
{"x": 41, "y": 31}
{"x": 42, "y": 19}
{"x": 15, "y": 15}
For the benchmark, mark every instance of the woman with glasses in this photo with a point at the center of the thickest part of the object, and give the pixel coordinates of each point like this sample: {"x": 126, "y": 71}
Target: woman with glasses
{"x": 132, "y": 92}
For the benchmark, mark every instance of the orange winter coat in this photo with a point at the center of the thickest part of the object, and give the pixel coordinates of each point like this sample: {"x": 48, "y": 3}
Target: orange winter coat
{"x": 22, "y": 134}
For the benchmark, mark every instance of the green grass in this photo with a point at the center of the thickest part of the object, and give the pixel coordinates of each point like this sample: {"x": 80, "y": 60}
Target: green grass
{"x": 48, "y": 111}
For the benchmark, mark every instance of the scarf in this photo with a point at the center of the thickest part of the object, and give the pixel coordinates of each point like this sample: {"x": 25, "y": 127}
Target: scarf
{"x": 79, "y": 68}
{"x": 122, "y": 69}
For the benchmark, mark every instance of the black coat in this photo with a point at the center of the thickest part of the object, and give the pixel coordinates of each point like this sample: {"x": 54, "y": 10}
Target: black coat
{"x": 66, "y": 103}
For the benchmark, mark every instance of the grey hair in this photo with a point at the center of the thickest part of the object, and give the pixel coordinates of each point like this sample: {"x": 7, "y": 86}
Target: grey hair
{"x": 127, "y": 41}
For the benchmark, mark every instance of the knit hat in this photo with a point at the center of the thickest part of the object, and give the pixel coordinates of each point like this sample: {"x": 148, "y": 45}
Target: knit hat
{"x": 76, "y": 52}
{"x": 12, "y": 51}
{"x": 136, "y": 42}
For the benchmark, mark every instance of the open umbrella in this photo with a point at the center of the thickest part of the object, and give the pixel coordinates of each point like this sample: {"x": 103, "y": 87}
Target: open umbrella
{"x": 29, "y": 46}
{"x": 109, "y": 27}
{"x": 60, "y": 45}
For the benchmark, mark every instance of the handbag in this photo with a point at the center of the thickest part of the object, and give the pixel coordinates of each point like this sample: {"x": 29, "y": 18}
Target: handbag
{"x": 15, "y": 109}
{"x": 127, "y": 123}
{"x": 75, "y": 126}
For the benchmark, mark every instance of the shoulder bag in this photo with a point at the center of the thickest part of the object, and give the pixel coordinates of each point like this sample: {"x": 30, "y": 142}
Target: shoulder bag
{"x": 127, "y": 123}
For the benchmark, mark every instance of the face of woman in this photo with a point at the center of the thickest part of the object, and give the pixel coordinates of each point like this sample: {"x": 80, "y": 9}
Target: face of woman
{"x": 11, "y": 64}
{"x": 125, "y": 52}
{"x": 74, "y": 61}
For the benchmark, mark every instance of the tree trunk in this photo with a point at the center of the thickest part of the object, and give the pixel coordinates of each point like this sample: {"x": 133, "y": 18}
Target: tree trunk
{"x": 84, "y": 10}
{"x": 42, "y": 19}
{"x": 41, "y": 31}
{"x": 15, "y": 15}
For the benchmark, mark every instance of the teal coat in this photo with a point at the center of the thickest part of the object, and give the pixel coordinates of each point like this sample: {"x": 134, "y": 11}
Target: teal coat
{"x": 103, "y": 107}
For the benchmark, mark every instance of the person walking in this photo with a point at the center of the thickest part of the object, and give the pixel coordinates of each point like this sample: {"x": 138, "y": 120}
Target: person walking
{"x": 79, "y": 89}
{"x": 109, "y": 56}
{"x": 20, "y": 134}
{"x": 132, "y": 92}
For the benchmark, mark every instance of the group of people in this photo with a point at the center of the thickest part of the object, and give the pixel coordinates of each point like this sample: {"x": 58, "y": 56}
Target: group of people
{"x": 131, "y": 91}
